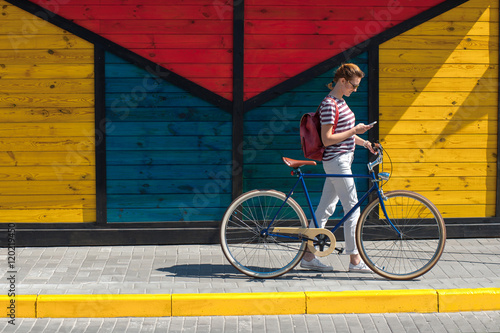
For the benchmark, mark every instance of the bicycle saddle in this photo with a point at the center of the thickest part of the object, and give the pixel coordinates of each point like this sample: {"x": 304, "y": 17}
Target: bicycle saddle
{"x": 296, "y": 163}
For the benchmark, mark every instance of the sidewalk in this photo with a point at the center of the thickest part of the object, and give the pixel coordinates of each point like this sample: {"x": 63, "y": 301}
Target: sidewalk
{"x": 147, "y": 280}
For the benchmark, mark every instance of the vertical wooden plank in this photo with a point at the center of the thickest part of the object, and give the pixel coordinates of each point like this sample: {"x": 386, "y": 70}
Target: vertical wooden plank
{"x": 373, "y": 98}
{"x": 100, "y": 134}
{"x": 373, "y": 91}
{"x": 238, "y": 91}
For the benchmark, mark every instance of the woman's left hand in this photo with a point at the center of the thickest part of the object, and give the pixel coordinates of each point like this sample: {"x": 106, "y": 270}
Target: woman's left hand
{"x": 368, "y": 145}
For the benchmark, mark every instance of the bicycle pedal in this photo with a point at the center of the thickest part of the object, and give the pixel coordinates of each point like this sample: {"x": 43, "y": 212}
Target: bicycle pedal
{"x": 339, "y": 250}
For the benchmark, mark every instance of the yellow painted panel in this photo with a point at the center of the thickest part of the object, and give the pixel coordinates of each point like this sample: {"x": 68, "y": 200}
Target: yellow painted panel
{"x": 46, "y": 86}
{"x": 439, "y": 113}
{"x": 59, "y": 130}
{"x": 437, "y": 27}
{"x": 103, "y": 306}
{"x": 408, "y": 56}
{"x": 457, "y": 300}
{"x": 416, "y": 155}
{"x": 48, "y": 71}
{"x": 44, "y": 173}
{"x": 47, "y": 150}
{"x": 76, "y": 144}
{"x": 410, "y": 127}
{"x": 44, "y": 56}
{"x": 40, "y": 41}
{"x": 238, "y": 304}
{"x": 443, "y": 169}
{"x": 480, "y": 4}
{"x": 460, "y": 197}
{"x": 50, "y": 100}
{"x": 475, "y": 12}
{"x": 398, "y": 71}
{"x": 47, "y": 187}
{"x": 468, "y": 183}
{"x": 10, "y": 25}
{"x": 46, "y": 115}
{"x": 372, "y": 301}
{"x": 454, "y": 141}
{"x": 438, "y": 99}
{"x": 408, "y": 42}
{"x": 59, "y": 160}
{"x": 57, "y": 201}
{"x": 47, "y": 216}
{"x": 453, "y": 211}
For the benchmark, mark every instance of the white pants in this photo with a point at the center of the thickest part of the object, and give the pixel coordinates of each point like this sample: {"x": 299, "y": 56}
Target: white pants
{"x": 343, "y": 189}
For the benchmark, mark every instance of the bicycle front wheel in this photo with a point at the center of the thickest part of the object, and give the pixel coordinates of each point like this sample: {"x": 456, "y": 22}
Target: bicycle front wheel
{"x": 403, "y": 242}
{"x": 245, "y": 239}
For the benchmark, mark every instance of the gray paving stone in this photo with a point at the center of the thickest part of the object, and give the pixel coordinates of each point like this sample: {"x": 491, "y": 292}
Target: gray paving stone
{"x": 466, "y": 263}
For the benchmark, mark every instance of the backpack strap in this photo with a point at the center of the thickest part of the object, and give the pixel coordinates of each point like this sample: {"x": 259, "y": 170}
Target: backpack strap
{"x": 336, "y": 113}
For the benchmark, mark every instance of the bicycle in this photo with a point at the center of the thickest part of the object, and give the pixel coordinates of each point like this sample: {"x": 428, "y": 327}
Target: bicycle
{"x": 400, "y": 235}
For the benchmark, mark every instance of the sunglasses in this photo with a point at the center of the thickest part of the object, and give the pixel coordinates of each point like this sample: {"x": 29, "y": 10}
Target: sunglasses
{"x": 355, "y": 86}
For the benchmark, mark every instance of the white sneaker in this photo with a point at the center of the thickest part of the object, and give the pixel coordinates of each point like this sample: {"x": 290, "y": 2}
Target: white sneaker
{"x": 315, "y": 265}
{"x": 361, "y": 267}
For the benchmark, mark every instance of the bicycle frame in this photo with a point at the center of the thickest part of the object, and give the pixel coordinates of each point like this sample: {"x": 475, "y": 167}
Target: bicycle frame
{"x": 301, "y": 180}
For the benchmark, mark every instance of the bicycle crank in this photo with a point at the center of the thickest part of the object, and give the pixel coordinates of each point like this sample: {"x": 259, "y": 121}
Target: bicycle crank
{"x": 321, "y": 242}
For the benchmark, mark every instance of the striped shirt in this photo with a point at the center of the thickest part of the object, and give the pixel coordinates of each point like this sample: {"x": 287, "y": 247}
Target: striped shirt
{"x": 346, "y": 122}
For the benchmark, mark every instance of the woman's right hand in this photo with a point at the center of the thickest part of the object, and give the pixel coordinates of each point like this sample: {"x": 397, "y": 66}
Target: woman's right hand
{"x": 361, "y": 128}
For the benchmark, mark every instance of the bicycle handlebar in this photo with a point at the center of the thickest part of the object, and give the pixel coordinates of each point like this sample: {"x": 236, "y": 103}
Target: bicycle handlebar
{"x": 380, "y": 157}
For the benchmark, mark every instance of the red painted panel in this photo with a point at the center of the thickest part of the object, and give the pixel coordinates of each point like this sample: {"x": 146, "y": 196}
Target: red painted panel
{"x": 193, "y": 38}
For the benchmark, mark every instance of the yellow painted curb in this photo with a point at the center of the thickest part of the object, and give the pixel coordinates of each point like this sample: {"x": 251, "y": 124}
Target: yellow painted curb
{"x": 456, "y": 300}
{"x": 20, "y": 306}
{"x": 233, "y": 304}
{"x": 103, "y": 306}
{"x": 238, "y": 304}
{"x": 372, "y": 301}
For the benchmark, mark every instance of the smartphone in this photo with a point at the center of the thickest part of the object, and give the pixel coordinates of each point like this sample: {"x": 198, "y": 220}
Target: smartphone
{"x": 371, "y": 124}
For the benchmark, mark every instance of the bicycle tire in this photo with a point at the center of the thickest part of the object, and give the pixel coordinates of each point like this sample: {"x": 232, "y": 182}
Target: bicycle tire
{"x": 244, "y": 242}
{"x": 409, "y": 254}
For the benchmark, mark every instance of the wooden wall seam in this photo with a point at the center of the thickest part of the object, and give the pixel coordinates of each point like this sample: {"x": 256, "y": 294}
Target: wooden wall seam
{"x": 100, "y": 135}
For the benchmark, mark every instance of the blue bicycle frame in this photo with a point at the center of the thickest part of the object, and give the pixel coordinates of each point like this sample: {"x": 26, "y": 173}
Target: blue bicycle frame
{"x": 301, "y": 176}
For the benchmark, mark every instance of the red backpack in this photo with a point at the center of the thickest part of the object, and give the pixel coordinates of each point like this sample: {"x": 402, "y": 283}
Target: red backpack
{"x": 310, "y": 134}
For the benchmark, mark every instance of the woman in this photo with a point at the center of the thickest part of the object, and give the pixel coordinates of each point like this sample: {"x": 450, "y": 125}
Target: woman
{"x": 337, "y": 159}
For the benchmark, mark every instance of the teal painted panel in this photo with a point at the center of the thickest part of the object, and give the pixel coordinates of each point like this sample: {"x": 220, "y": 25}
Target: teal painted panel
{"x": 168, "y": 153}
{"x": 166, "y": 143}
{"x": 166, "y": 171}
{"x": 152, "y": 99}
{"x": 146, "y": 201}
{"x": 182, "y": 213}
{"x": 168, "y": 128}
{"x": 167, "y": 186}
{"x": 177, "y": 113}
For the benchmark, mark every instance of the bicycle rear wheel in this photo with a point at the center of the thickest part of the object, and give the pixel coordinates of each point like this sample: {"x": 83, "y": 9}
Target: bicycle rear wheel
{"x": 407, "y": 248}
{"x": 244, "y": 238}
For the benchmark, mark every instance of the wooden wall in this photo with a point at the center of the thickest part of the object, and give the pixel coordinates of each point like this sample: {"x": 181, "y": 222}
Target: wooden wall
{"x": 439, "y": 109}
{"x": 200, "y": 99}
{"x": 47, "y": 160}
